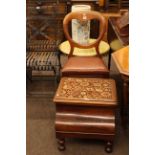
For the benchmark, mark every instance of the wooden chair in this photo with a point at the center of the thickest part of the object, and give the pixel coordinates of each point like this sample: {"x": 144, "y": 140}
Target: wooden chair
{"x": 87, "y": 66}
{"x": 42, "y": 55}
{"x": 44, "y": 34}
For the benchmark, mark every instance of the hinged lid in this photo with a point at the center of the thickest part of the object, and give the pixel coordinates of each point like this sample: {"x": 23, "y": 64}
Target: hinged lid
{"x": 86, "y": 91}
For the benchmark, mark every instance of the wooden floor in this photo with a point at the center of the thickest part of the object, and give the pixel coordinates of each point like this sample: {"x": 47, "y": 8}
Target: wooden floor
{"x": 40, "y": 123}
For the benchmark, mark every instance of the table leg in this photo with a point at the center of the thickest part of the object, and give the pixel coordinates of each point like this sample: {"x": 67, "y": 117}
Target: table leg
{"x": 125, "y": 107}
{"x": 29, "y": 73}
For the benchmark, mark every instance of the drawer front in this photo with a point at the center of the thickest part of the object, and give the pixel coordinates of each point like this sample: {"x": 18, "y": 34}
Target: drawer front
{"x": 85, "y": 119}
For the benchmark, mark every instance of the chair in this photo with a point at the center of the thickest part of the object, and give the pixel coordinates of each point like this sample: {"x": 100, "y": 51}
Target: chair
{"x": 44, "y": 34}
{"x": 86, "y": 66}
{"x": 42, "y": 55}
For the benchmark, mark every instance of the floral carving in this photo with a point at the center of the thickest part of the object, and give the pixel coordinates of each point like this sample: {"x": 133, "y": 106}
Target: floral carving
{"x": 86, "y": 88}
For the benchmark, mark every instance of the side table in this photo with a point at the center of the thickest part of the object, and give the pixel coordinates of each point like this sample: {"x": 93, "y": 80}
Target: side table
{"x": 121, "y": 59}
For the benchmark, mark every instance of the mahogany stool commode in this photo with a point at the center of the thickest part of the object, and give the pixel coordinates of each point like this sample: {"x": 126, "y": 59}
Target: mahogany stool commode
{"x": 85, "y": 108}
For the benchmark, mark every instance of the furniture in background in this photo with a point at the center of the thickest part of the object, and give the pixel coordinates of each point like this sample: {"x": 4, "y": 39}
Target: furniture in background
{"x": 124, "y": 4}
{"x": 117, "y": 38}
{"x": 85, "y": 108}
{"x": 84, "y": 65}
{"x": 121, "y": 59}
{"x": 115, "y": 5}
{"x": 107, "y": 15}
{"x": 42, "y": 55}
{"x": 102, "y": 5}
{"x": 44, "y": 34}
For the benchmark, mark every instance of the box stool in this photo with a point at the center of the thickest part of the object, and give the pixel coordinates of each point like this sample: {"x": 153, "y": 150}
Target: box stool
{"x": 85, "y": 108}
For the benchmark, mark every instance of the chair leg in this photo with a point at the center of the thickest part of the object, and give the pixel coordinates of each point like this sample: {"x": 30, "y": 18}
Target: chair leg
{"x": 29, "y": 74}
{"x": 58, "y": 78}
{"x": 109, "y": 59}
{"x": 59, "y": 59}
{"x": 59, "y": 66}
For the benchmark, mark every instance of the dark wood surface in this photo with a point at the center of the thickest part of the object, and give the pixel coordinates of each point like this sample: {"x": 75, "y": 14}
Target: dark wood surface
{"x": 43, "y": 17}
{"x": 85, "y": 119}
{"x": 125, "y": 106}
{"x": 85, "y": 122}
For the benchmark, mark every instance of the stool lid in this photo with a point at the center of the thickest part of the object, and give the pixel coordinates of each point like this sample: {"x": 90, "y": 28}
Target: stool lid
{"x": 86, "y": 92}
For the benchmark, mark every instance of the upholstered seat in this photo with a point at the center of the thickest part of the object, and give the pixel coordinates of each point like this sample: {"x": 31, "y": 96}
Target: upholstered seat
{"x": 85, "y": 66}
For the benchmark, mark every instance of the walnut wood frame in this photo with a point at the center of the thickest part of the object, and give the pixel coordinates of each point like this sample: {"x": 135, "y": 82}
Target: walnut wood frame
{"x": 84, "y": 16}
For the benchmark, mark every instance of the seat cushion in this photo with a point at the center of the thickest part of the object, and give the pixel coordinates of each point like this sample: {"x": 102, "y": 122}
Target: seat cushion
{"x": 91, "y": 66}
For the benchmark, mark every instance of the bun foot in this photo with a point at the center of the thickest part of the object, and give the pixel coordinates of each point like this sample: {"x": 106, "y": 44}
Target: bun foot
{"x": 61, "y": 144}
{"x": 108, "y": 147}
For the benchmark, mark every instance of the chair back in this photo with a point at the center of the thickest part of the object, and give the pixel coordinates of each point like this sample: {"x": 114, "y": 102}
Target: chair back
{"x": 84, "y": 16}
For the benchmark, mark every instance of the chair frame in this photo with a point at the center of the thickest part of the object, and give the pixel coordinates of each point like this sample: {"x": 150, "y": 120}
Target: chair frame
{"x": 84, "y": 16}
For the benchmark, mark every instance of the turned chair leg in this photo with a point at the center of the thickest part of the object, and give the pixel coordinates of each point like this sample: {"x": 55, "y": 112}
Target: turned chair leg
{"x": 61, "y": 144}
{"x": 109, "y": 147}
{"x": 29, "y": 74}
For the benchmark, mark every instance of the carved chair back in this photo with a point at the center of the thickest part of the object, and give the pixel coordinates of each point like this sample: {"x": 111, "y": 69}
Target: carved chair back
{"x": 84, "y": 16}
